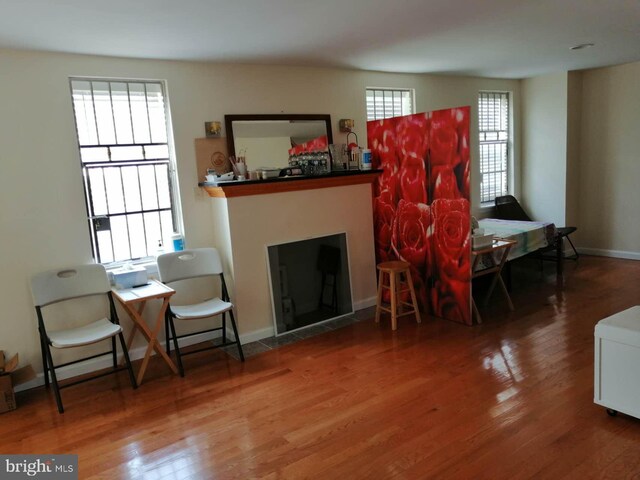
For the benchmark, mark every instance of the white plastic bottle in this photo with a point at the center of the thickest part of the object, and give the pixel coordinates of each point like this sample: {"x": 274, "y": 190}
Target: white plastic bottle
{"x": 365, "y": 159}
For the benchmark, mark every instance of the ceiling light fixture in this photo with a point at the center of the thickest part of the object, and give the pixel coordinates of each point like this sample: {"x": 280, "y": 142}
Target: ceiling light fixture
{"x": 582, "y": 46}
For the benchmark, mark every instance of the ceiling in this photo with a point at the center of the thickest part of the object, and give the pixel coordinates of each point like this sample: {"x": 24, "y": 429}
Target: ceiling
{"x": 494, "y": 38}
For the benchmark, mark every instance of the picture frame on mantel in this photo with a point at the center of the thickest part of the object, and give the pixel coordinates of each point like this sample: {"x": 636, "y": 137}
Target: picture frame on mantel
{"x": 211, "y": 153}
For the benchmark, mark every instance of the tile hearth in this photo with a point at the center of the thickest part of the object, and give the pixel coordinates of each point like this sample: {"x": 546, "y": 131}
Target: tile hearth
{"x": 271, "y": 343}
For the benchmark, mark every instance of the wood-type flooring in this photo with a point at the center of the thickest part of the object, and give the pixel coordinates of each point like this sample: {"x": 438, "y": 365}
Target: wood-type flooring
{"x": 509, "y": 399}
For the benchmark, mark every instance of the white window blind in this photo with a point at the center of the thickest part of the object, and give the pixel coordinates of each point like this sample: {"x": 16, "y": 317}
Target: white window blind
{"x": 129, "y": 176}
{"x": 386, "y": 102}
{"x": 493, "y": 124}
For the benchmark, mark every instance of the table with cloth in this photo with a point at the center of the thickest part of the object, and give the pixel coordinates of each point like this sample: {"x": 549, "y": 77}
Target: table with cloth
{"x": 523, "y": 237}
{"x": 531, "y": 236}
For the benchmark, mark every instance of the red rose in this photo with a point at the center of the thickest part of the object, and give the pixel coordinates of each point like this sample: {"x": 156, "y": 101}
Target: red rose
{"x": 443, "y": 139}
{"x": 419, "y": 280}
{"x": 381, "y": 139}
{"x": 452, "y": 238}
{"x": 452, "y": 300}
{"x": 466, "y": 180}
{"x": 413, "y": 180}
{"x": 412, "y": 134}
{"x": 452, "y": 255}
{"x": 383, "y": 215}
{"x": 461, "y": 117}
{"x": 387, "y": 182}
{"x": 444, "y": 183}
{"x": 411, "y": 233}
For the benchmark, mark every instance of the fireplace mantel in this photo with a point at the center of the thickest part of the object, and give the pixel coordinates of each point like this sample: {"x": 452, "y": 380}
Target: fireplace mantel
{"x": 289, "y": 184}
{"x": 250, "y": 216}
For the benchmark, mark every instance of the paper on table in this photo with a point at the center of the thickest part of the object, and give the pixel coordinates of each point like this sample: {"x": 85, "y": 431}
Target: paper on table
{"x": 149, "y": 290}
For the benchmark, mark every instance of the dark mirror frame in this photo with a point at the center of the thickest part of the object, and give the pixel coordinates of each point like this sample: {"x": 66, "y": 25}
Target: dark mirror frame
{"x": 229, "y": 119}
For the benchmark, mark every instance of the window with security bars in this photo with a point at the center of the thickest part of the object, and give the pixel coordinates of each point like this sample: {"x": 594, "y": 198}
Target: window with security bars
{"x": 493, "y": 124}
{"x": 386, "y": 103}
{"x": 128, "y": 174}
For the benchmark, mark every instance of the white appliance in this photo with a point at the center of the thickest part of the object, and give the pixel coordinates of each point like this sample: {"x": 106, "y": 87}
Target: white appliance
{"x": 617, "y": 363}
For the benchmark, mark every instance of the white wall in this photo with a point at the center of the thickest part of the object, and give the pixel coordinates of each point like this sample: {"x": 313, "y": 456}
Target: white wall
{"x": 574, "y": 139}
{"x": 580, "y": 162}
{"x": 610, "y": 161}
{"x": 544, "y": 147}
{"x": 42, "y": 214}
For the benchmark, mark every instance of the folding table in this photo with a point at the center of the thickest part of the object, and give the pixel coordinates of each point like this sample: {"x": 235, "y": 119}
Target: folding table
{"x": 498, "y": 249}
{"x": 134, "y": 300}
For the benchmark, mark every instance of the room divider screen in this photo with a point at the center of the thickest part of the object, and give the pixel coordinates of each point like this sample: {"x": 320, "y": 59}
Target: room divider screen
{"x": 421, "y": 204}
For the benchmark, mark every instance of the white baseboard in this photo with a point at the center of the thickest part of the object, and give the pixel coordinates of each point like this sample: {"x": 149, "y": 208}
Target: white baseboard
{"x": 95, "y": 364}
{"x": 255, "y": 335}
{"x": 365, "y": 303}
{"x": 610, "y": 253}
{"x": 100, "y": 363}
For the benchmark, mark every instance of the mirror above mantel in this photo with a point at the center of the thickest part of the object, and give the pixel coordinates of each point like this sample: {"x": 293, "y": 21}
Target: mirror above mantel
{"x": 267, "y": 140}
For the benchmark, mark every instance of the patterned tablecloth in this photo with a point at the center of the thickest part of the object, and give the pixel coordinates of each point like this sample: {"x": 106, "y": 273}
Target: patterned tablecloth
{"x": 530, "y": 235}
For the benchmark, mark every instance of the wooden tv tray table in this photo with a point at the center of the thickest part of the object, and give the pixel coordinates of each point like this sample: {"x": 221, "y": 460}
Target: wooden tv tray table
{"x": 499, "y": 247}
{"x": 133, "y": 300}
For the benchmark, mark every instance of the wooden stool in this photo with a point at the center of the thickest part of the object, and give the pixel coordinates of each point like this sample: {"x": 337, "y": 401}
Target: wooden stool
{"x": 396, "y": 287}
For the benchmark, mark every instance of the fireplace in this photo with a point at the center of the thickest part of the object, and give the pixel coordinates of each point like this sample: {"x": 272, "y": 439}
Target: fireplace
{"x": 310, "y": 282}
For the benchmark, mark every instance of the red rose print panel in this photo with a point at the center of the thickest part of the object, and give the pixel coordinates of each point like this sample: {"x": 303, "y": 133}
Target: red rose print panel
{"x": 410, "y": 242}
{"x": 451, "y": 246}
{"x": 449, "y": 154}
{"x": 384, "y": 214}
{"x": 413, "y": 180}
{"x": 421, "y": 204}
{"x": 381, "y": 135}
{"x": 411, "y": 231}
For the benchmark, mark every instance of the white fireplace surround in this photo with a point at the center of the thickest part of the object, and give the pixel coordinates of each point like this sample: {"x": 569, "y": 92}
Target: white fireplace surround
{"x": 245, "y": 225}
{"x": 275, "y": 298}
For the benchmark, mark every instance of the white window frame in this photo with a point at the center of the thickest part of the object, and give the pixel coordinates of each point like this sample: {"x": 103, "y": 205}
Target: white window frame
{"x": 174, "y": 191}
{"x": 411, "y": 91}
{"x": 510, "y": 174}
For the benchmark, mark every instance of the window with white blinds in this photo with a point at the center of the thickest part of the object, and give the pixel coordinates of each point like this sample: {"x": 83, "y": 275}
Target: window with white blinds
{"x": 387, "y": 102}
{"x": 127, "y": 165}
{"x": 494, "y": 126}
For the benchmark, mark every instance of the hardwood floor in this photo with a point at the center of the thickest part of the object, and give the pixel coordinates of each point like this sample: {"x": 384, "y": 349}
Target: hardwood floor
{"x": 512, "y": 398}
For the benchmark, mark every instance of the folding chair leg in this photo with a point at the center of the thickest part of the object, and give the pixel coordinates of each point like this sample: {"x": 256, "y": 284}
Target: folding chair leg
{"x": 235, "y": 332}
{"x": 125, "y": 352}
{"x": 114, "y": 352}
{"x": 167, "y": 344}
{"x": 45, "y": 369}
{"x": 224, "y": 327}
{"x": 175, "y": 345}
{"x": 54, "y": 380}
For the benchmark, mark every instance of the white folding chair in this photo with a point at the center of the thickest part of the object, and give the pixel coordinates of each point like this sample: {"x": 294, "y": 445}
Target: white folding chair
{"x": 67, "y": 284}
{"x": 184, "y": 265}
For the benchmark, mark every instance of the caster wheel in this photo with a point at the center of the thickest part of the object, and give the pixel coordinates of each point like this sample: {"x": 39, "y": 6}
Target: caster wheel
{"x": 611, "y": 412}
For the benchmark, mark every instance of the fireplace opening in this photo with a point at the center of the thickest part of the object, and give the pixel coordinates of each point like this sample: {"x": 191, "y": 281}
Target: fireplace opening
{"x": 310, "y": 282}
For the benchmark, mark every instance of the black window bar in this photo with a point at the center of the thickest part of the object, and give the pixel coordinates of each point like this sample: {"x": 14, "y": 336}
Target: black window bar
{"x": 128, "y": 175}
{"x": 493, "y": 120}
{"x": 386, "y": 103}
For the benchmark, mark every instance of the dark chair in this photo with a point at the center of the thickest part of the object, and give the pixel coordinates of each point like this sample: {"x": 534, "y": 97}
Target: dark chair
{"x": 508, "y": 208}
